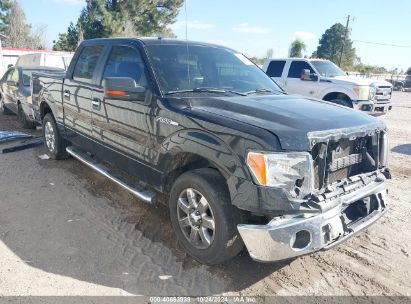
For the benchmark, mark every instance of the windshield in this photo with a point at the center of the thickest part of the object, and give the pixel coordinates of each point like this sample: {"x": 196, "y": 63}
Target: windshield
{"x": 182, "y": 67}
{"x": 327, "y": 68}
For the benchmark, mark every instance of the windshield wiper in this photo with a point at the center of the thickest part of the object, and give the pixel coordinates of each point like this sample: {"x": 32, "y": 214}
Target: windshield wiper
{"x": 210, "y": 90}
{"x": 262, "y": 90}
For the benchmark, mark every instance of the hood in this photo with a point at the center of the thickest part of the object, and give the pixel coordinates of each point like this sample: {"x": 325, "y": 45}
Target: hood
{"x": 296, "y": 121}
{"x": 351, "y": 80}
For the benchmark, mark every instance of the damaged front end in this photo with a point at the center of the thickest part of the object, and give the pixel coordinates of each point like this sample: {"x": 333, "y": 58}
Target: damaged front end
{"x": 347, "y": 195}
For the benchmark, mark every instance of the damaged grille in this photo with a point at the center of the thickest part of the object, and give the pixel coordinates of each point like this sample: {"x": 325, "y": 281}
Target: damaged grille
{"x": 337, "y": 160}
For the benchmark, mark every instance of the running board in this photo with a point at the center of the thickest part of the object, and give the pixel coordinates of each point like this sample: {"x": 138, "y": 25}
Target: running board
{"x": 135, "y": 188}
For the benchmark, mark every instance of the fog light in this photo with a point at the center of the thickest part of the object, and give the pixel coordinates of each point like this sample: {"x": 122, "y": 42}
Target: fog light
{"x": 301, "y": 240}
{"x": 366, "y": 107}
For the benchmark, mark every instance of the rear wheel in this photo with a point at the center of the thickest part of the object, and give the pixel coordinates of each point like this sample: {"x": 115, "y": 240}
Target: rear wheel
{"x": 55, "y": 144}
{"x": 203, "y": 218}
{"x": 21, "y": 116}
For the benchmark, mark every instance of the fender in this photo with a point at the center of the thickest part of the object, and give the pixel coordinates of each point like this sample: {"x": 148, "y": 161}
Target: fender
{"x": 198, "y": 143}
{"x": 337, "y": 89}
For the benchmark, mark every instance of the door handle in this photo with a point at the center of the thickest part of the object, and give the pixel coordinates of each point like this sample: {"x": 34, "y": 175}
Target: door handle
{"x": 96, "y": 102}
{"x": 66, "y": 94}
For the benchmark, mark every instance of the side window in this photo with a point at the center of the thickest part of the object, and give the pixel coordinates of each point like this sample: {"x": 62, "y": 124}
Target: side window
{"x": 86, "y": 63}
{"x": 297, "y": 68}
{"x": 126, "y": 61}
{"x": 275, "y": 68}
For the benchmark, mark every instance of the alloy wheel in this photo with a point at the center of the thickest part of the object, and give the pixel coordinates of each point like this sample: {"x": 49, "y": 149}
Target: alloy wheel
{"x": 49, "y": 136}
{"x": 195, "y": 218}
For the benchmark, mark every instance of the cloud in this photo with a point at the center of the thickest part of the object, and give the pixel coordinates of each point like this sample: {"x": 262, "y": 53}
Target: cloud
{"x": 70, "y": 2}
{"x": 304, "y": 36}
{"x": 191, "y": 25}
{"x": 247, "y": 28}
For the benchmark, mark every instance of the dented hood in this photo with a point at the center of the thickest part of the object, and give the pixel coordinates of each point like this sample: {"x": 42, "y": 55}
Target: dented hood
{"x": 298, "y": 122}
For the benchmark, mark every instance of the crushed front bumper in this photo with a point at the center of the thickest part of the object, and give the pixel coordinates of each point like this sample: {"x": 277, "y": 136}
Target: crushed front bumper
{"x": 287, "y": 237}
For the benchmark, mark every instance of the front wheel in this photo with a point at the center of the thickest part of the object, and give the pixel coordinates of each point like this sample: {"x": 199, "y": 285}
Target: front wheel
{"x": 342, "y": 102}
{"x": 55, "y": 144}
{"x": 203, "y": 218}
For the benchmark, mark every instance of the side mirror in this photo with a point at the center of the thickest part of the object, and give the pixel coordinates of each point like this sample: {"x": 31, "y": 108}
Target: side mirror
{"x": 307, "y": 76}
{"x": 11, "y": 83}
{"x": 123, "y": 88}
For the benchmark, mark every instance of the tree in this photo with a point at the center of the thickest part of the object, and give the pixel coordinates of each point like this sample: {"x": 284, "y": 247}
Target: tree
{"x": 4, "y": 15}
{"x": 115, "y": 18}
{"x": 269, "y": 54}
{"x": 408, "y": 71}
{"x": 331, "y": 44}
{"x": 67, "y": 41}
{"x": 296, "y": 48}
{"x": 20, "y": 34}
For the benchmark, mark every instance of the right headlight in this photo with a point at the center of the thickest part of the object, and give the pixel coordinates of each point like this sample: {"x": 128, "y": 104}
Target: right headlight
{"x": 363, "y": 92}
{"x": 289, "y": 171}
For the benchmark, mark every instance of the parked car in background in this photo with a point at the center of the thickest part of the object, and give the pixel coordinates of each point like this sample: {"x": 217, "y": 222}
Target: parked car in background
{"x": 403, "y": 85}
{"x": 60, "y": 61}
{"x": 201, "y": 126}
{"x": 15, "y": 93}
{"x": 324, "y": 80}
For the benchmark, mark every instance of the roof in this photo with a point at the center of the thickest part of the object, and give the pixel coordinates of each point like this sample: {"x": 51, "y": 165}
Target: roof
{"x": 154, "y": 41}
{"x": 38, "y": 68}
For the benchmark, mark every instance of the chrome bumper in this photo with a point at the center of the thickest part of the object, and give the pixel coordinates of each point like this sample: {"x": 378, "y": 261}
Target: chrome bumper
{"x": 284, "y": 238}
{"x": 373, "y": 108}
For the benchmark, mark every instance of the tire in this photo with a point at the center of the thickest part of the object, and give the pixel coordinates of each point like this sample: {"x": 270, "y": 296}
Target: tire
{"x": 54, "y": 143}
{"x": 342, "y": 102}
{"x": 24, "y": 122}
{"x": 222, "y": 243}
{"x": 3, "y": 108}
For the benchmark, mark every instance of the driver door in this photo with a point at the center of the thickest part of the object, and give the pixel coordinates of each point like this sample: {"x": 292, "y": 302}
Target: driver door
{"x": 294, "y": 84}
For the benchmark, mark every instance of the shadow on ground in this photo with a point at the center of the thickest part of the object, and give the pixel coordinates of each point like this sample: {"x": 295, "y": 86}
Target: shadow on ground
{"x": 403, "y": 149}
{"x": 66, "y": 219}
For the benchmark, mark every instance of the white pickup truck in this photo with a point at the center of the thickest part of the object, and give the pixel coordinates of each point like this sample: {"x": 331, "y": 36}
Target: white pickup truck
{"x": 324, "y": 80}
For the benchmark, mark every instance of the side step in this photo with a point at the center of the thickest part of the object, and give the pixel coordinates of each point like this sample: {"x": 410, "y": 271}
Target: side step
{"x": 127, "y": 184}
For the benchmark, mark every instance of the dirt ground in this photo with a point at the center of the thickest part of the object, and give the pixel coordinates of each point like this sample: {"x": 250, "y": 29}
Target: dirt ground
{"x": 64, "y": 230}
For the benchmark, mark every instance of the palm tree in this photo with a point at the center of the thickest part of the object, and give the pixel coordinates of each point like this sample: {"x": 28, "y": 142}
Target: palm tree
{"x": 296, "y": 48}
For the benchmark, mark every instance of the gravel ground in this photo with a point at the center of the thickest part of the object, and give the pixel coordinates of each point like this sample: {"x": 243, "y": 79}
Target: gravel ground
{"x": 64, "y": 230}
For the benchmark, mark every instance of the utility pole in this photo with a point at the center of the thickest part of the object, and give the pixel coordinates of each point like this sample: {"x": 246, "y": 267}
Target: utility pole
{"x": 345, "y": 38}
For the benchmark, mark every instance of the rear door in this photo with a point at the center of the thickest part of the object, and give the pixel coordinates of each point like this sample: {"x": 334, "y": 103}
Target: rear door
{"x": 275, "y": 71}
{"x": 293, "y": 82}
{"x": 77, "y": 91}
{"x": 122, "y": 124}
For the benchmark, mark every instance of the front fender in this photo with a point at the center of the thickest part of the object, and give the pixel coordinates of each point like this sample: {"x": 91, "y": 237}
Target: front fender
{"x": 243, "y": 191}
{"x": 338, "y": 89}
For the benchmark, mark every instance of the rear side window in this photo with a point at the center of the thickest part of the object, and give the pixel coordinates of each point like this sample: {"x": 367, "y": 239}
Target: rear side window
{"x": 275, "y": 68}
{"x": 87, "y": 62}
{"x": 125, "y": 61}
{"x": 297, "y": 67}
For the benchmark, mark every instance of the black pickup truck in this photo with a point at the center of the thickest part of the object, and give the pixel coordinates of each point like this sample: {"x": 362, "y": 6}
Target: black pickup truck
{"x": 201, "y": 127}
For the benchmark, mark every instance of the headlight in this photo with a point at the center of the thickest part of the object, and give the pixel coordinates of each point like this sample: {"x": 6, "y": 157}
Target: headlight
{"x": 384, "y": 149}
{"x": 372, "y": 93}
{"x": 363, "y": 92}
{"x": 292, "y": 172}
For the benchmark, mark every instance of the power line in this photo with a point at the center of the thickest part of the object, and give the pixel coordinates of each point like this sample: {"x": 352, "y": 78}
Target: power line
{"x": 383, "y": 44}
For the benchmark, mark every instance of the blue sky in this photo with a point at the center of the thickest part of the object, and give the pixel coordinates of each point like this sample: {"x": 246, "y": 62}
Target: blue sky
{"x": 252, "y": 27}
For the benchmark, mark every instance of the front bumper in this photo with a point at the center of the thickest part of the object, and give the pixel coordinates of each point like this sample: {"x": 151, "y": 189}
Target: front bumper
{"x": 32, "y": 112}
{"x": 287, "y": 237}
{"x": 373, "y": 108}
